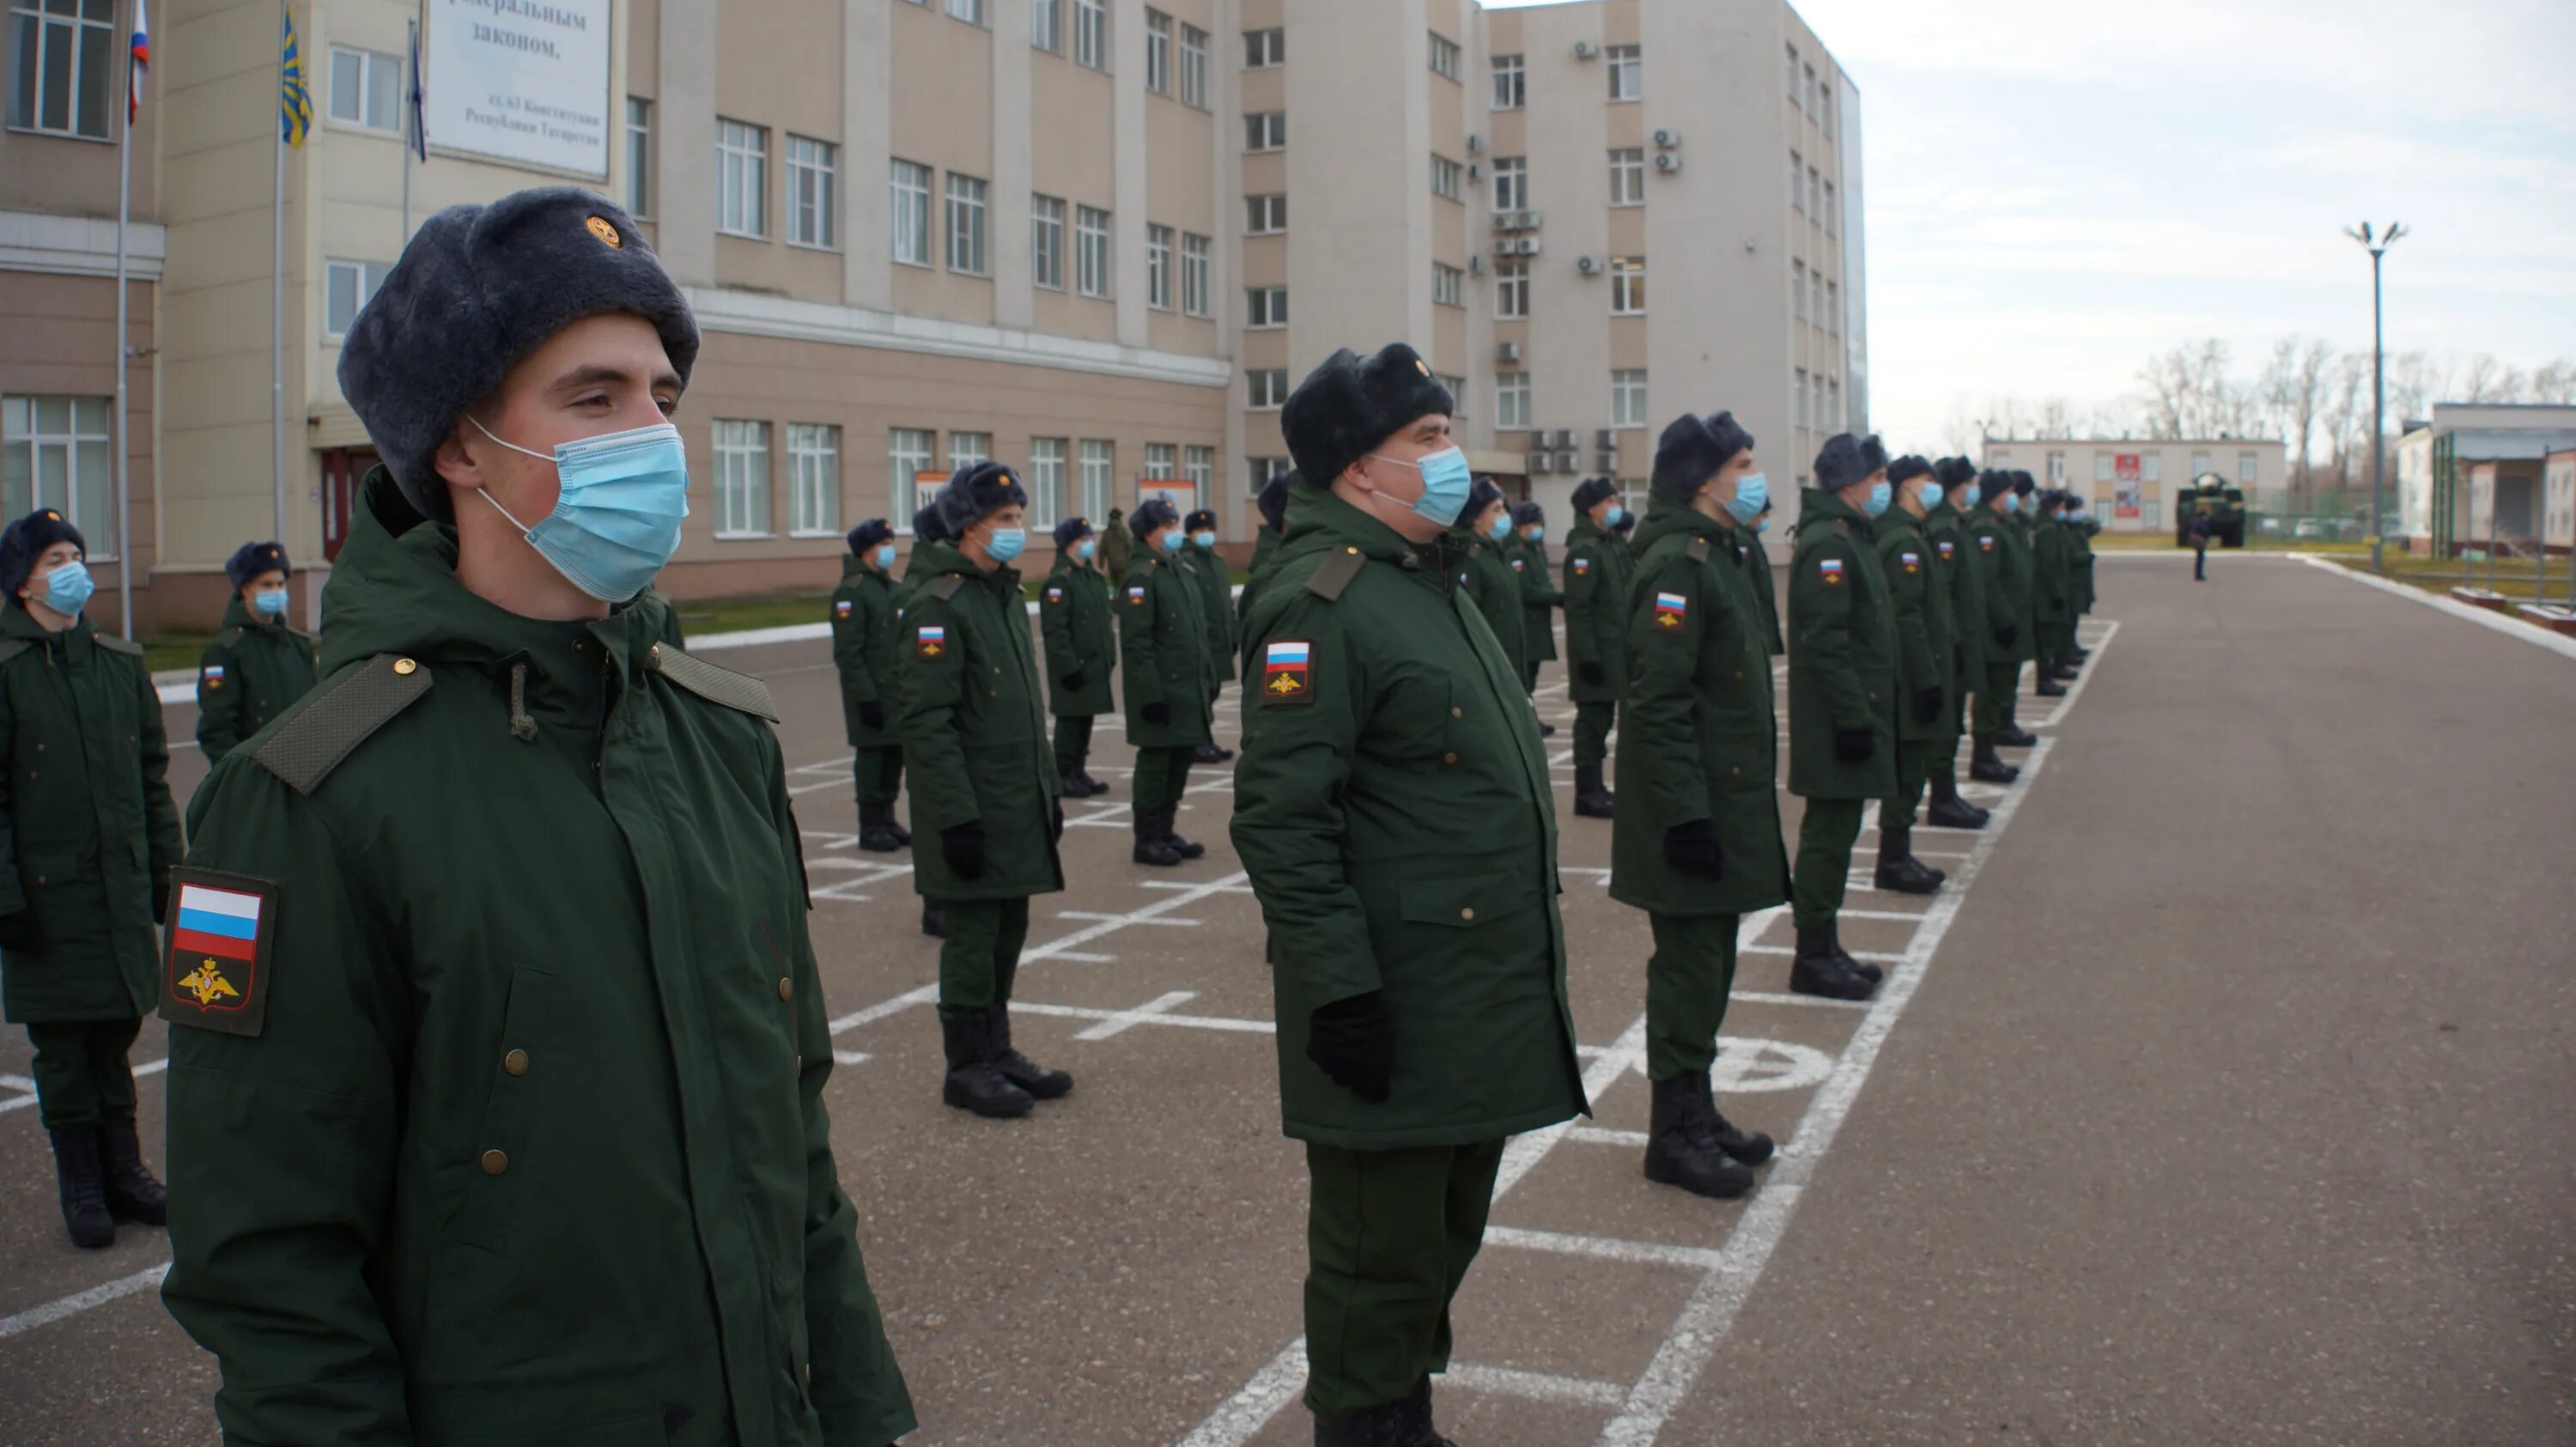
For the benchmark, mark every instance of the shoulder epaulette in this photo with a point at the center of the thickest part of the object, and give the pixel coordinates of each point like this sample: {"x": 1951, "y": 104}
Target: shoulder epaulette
{"x": 943, "y": 587}
{"x": 1334, "y": 574}
{"x": 715, "y": 684}
{"x": 12, "y": 647}
{"x": 114, "y": 644}
{"x": 1697, "y": 551}
{"x": 333, "y": 721}
{"x": 230, "y": 636}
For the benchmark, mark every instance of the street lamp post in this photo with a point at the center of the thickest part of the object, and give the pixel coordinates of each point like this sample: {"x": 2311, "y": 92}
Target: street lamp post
{"x": 2377, "y": 248}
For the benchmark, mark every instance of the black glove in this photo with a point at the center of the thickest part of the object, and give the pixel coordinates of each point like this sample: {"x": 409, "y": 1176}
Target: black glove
{"x": 2007, "y": 634}
{"x": 1055, "y": 827}
{"x": 1591, "y": 673}
{"x": 1692, "y": 848}
{"x": 872, "y": 713}
{"x": 1927, "y": 704}
{"x": 1854, "y": 746}
{"x": 1157, "y": 712}
{"x": 20, "y": 934}
{"x": 1074, "y": 680}
{"x": 161, "y": 899}
{"x": 1353, "y": 1041}
{"x": 962, "y": 846}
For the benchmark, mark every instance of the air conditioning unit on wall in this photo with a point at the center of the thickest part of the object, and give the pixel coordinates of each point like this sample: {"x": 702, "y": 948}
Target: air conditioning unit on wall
{"x": 1507, "y": 351}
{"x": 1476, "y": 264}
{"x": 1605, "y": 439}
{"x": 1668, "y": 140}
{"x": 1585, "y": 50}
{"x": 1607, "y": 462}
{"x": 1565, "y": 462}
{"x": 1587, "y": 264}
{"x": 1668, "y": 163}
{"x": 1475, "y": 145}
{"x": 1541, "y": 462}
{"x": 1565, "y": 439}
{"x": 1528, "y": 246}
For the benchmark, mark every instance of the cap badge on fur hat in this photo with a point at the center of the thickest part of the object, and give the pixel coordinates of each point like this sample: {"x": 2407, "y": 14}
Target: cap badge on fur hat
{"x": 1422, "y": 366}
{"x": 606, "y": 231}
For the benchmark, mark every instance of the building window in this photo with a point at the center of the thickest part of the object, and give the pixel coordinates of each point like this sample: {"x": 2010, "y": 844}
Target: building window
{"x": 1816, "y": 296}
{"x": 1457, "y": 390}
{"x": 1265, "y": 306}
{"x": 1444, "y": 55}
{"x": 1511, "y": 183}
{"x": 1160, "y": 463}
{"x": 907, "y": 457}
{"x": 1194, "y": 66}
{"x": 1791, "y": 84}
{"x": 1046, "y": 482}
{"x": 970, "y": 11}
{"x": 1265, "y": 131}
{"x": 814, "y": 471}
{"x": 1158, "y": 267}
{"x": 742, "y": 478}
{"x": 54, "y": 453}
{"x": 347, "y": 287}
{"x": 1627, "y": 286}
{"x": 1829, "y": 208}
{"x": 1263, "y": 49}
{"x": 965, "y": 224}
{"x": 1800, "y": 389}
{"x": 1511, "y": 289}
{"x": 1511, "y": 399}
{"x": 1158, "y": 52}
{"x": 1091, "y": 33}
{"x": 1815, "y": 197}
{"x": 1194, "y": 274}
{"x": 1825, "y": 112}
{"x": 1628, "y": 397}
{"x": 1198, "y": 464}
{"x": 1627, "y": 72}
{"x": 1046, "y": 25}
{"x": 1834, "y": 401}
{"x": 1798, "y": 290}
{"x": 1269, "y": 386}
{"x": 2152, "y": 467}
{"x": 1447, "y": 178}
{"x": 1628, "y": 177}
{"x": 366, "y": 88}
{"x": 1809, "y": 73}
{"x": 2101, "y": 467}
{"x": 1797, "y": 173}
{"x": 813, "y": 192}
{"x": 2056, "y": 465}
{"x": 2245, "y": 467}
{"x": 1834, "y": 307}
{"x": 2199, "y": 465}
{"x": 61, "y": 55}
{"x": 639, "y": 156}
{"x": 1097, "y": 456}
{"x": 1046, "y": 242}
{"x": 1265, "y": 215}
{"x": 909, "y": 210}
{"x": 1448, "y": 285}
{"x": 1091, "y": 251}
{"x": 742, "y": 179}
{"x": 1511, "y": 86}
{"x": 1264, "y": 469}
{"x": 965, "y": 449}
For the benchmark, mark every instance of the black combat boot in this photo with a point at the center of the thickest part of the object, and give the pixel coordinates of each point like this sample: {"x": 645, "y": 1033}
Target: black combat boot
{"x": 1591, "y": 800}
{"x": 934, "y": 918}
{"x": 1151, "y": 847}
{"x": 1949, "y": 811}
{"x": 1988, "y": 767}
{"x": 972, "y": 1083}
{"x": 1387, "y": 1426}
{"x": 1751, "y": 1147}
{"x": 1682, "y": 1149}
{"x": 1820, "y": 969}
{"x": 1168, "y": 818}
{"x": 132, "y": 1192}
{"x": 876, "y": 829}
{"x": 2049, "y": 687}
{"x": 1417, "y": 1419}
{"x": 2065, "y": 668}
{"x": 1209, "y": 753}
{"x": 1851, "y": 962}
{"x": 1040, "y": 1082}
{"x": 2012, "y": 735}
{"x": 83, "y": 1179}
{"x": 1090, "y": 785}
{"x": 1546, "y": 730}
{"x": 2078, "y": 652}
{"x": 1898, "y": 869}
{"x": 1068, "y": 778}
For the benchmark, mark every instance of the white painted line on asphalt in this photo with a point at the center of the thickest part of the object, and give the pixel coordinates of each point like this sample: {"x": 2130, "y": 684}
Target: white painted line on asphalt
{"x": 850, "y": 1057}
{"x": 1222, "y": 1023}
{"x": 1875, "y": 957}
{"x": 17, "y": 1082}
{"x": 1604, "y": 1248}
{"x": 2075, "y": 690}
{"x": 80, "y": 1301}
{"x": 1593, "y": 1135}
{"x": 1537, "y": 1386}
{"x": 1165, "y": 921}
{"x": 1125, "y": 1020}
{"x": 2531, "y": 633}
{"x": 1758, "y": 997}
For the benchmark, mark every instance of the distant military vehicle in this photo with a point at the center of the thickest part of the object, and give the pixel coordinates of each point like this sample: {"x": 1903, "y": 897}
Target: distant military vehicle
{"x": 2213, "y": 497}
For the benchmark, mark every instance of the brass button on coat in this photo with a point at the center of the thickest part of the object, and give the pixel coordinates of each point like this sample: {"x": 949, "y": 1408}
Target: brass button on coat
{"x": 1448, "y": 758}
{"x": 407, "y": 668}
{"x": 495, "y": 1162}
{"x": 786, "y": 988}
{"x": 1468, "y": 913}
{"x": 1457, "y": 713}
{"x": 516, "y": 1062}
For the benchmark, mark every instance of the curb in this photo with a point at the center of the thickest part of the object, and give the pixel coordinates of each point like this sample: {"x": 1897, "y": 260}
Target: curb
{"x": 2537, "y": 635}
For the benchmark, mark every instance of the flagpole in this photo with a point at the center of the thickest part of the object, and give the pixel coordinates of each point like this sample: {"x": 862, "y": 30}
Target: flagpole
{"x": 124, "y": 447}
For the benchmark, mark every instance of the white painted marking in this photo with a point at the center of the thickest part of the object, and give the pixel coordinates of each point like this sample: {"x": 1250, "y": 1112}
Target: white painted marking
{"x": 80, "y": 1301}
{"x": 1764, "y": 997}
{"x": 1593, "y": 1135}
{"x": 1165, "y": 921}
{"x": 17, "y": 1082}
{"x": 1537, "y": 1386}
{"x": 1605, "y": 1248}
{"x": 850, "y": 1057}
{"x": 2531, "y": 633}
{"x": 1752, "y": 1067}
{"x": 1126, "y": 1020}
{"x": 1183, "y": 1022}
{"x": 1875, "y": 957}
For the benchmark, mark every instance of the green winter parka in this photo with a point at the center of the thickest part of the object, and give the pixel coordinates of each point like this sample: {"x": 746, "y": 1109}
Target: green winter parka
{"x": 1598, "y": 567}
{"x": 1163, "y": 642}
{"x": 1842, "y": 653}
{"x": 1073, "y": 618}
{"x": 863, "y": 651}
{"x": 254, "y": 670}
{"x": 974, "y": 731}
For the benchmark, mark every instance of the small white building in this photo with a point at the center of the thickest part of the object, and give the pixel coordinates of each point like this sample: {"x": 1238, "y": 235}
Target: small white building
{"x": 2129, "y": 482}
{"x": 2471, "y": 476}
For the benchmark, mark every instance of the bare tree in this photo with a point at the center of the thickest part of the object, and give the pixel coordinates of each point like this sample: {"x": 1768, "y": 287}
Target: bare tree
{"x": 2554, "y": 381}
{"x": 2347, "y": 419}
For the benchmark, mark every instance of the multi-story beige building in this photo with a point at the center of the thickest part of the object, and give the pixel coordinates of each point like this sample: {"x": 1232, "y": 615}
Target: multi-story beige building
{"x": 2129, "y": 483}
{"x": 1097, "y": 238}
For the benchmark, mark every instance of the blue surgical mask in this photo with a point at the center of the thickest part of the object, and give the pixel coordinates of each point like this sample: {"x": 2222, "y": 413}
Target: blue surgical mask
{"x": 1204, "y": 538}
{"x": 269, "y": 605}
{"x": 1502, "y": 526}
{"x": 1005, "y": 543}
{"x": 885, "y": 555}
{"x": 1083, "y": 550}
{"x": 1751, "y": 496}
{"x": 1536, "y": 535}
{"x": 2008, "y": 504}
{"x": 617, "y": 516}
{"x": 1446, "y": 483}
{"x": 1931, "y": 495}
{"x": 1879, "y": 497}
{"x": 68, "y": 587}
{"x": 1169, "y": 540}
{"x": 1615, "y": 516}
{"x": 1762, "y": 525}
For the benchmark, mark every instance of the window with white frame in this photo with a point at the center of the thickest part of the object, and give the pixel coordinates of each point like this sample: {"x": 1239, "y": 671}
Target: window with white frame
{"x": 1511, "y": 399}
{"x": 1047, "y": 457}
{"x": 1195, "y": 251}
{"x": 1097, "y": 456}
{"x": 1834, "y": 400}
{"x": 1816, "y": 296}
{"x": 1825, "y": 112}
{"x": 1456, "y": 387}
{"x": 908, "y": 207}
{"x": 1263, "y": 49}
{"x": 1627, "y": 286}
{"x": 1265, "y": 306}
{"x": 1628, "y": 397}
{"x": 1809, "y": 73}
{"x": 965, "y": 224}
{"x": 1091, "y": 33}
{"x": 1265, "y": 469}
{"x": 1791, "y": 84}
{"x": 742, "y": 179}
{"x": 1511, "y": 183}
{"x": 1444, "y": 55}
{"x": 1158, "y": 267}
{"x": 742, "y": 478}
{"x": 814, "y": 472}
{"x": 639, "y": 157}
{"x": 2199, "y": 464}
{"x": 60, "y": 64}
{"x": 1194, "y": 67}
{"x": 2101, "y": 467}
{"x": 1797, "y": 178}
{"x": 1628, "y": 176}
{"x": 1158, "y": 52}
{"x": 1269, "y": 386}
{"x": 1046, "y": 25}
{"x": 1511, "y": 289}
{"x": 907, "y": 457}
{"x": 965, "y": 449}
{"x": 1798, "y": 290}
{"x": 1448, "y": 285}
{"x": 2056, "y": 467}
{"x": 1162, "y": 460}
{"x": 1627, "y": 72}
{"x": 813, "y": 192}
{"x": 1511, "y": 84}
{"x": 970, "y": 11}
{"x": 1830, "y": 208}
{"x": 347, "y": 287}
{"x": 1799, "y": 391}
{"x": 1447, "y": 177}
{"x": 1265, "y": 215}
{"x": 1834, "y": 307}
{"x": 1046, "y": 242}
{"x": 2245, "y": 467}
{"x": 1265, "y": 131}
{"x": 2152, "y": 467}
{"x": 366, "y": 86}
{"x": 1198, "y": 464}
{"x": 54, "y": 453}
{"x": 1091, "y": 251}
{"x": 1815, "y": 200}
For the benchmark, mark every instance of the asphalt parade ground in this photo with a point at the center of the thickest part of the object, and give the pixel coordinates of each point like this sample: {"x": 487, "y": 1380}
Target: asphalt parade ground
{"x": 2223, "y": 1096}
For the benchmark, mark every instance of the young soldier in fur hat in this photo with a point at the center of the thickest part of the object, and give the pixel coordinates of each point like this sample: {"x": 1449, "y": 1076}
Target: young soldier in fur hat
{"x": 1162, "y": 640}
{"x": 1954, "y": 561}
{"x": 1081, "y": 651}
{"x": 1207, "y": 568}
{"x": 863, "y": 653}
{"x": 1273, "y": 507}
{"x": 259, "y": 664}
{"x": 1597, "y": 569}
{"x": 498, "y": 1052}
{"x": 1481, "y": 543}
{"x": 2002, "y": 562}
{"x": 1539, "y": 596}
{"x": 1926, "y": 638}
{"x": 1394, "y": 812}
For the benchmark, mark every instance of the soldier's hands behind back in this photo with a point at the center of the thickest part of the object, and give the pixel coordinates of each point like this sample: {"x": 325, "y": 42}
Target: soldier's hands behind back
{"x": 1692, "y": 848}
{"x": 1157, "y": 712}
{"x": 872, "y": 713}
{"x": 1353, "y": 1041}
{"x": 1591, "y": 673}
{"x": 1073, "y": 681}
{"x": 962, "y": 846}
{"x": 2007, "y": 634}
{"x": 1927, "y": 704}
{"x": 20, "y": 934}
{"x": 1854, "y": 746}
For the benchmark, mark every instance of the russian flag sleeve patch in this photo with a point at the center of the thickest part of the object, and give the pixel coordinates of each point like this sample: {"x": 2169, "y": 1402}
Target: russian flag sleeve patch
{"x": 215, "y": 951}
{"x": 1288, "y": 671}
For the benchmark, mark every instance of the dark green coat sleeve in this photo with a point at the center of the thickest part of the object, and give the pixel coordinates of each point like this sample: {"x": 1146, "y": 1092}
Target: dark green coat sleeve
{"x": 1536, "y": 590}
{"x": 165, "y": 846}
{"x": 1821, "y": 617}
{"x": 219, "y": 701}
{"x": 1138, "y": 652}
{"x": 1908, "y": 593}
{"x": 1659, "y": 714}
{"x": 850, "y": 658}
{"x": 933, "y": 688}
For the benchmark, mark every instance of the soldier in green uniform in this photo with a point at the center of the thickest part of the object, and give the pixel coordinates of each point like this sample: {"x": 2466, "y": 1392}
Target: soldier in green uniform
{"x": 497, "y": 1051}
{"x": 1163, "y": 641}
{"x": 929, "y": 545}
{"x": 1945, "y": 527}
{"x": 1755, "y": 555}
{"x": 87, "y": 838}
{"x": 863, "y": 653}
{"x": 1597, "y": 569}
{"x": 2025, "y": 525}
{"x": 1081, "y": 652}
{"x": 974, "y": 729}
{"x": 258, "y": 665}
{"x": 1117, "y": 548}
{"x": 2052, "y": 563}
{"x": 1207, "y": 568}
{"x": 1540, "y": 596}
{"x": 1273, "y": 507}
{"x": 1919, "y": 607}
{"x": 1394, "y": 811}
{"x": 1480, "y": 545}
{"x": 1997, "y": 552}
{"x": 2082, "y": 525}
{"x": 1698, "y": 844}
{"x": 1842, "y": 701}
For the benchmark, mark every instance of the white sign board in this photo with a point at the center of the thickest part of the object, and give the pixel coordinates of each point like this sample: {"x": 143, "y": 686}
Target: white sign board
{"x": 522, "y": 81}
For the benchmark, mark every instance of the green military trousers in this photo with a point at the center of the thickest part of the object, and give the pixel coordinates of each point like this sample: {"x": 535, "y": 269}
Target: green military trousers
{"x": 1073, "y": 736}
{"x": 1944, "y": 776}
{"x": 82, "y": 1074}
{"x": 1916, "y": 762}
{"x": 1162, "y": 775}
{"x": 979, "y": 957}
{"x": 1825, "y": 837}
{"x": 1389, "y": 1237}
{"x": 1592, "y": 723}
{"x": 1995, "y": 699}
{"x": 1687, "y": 980}
{"x": 1529, "y": 676}
{"x": 880, "y": 774}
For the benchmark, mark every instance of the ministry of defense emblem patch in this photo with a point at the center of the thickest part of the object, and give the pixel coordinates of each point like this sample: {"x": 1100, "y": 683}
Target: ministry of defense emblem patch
{"x": 931, "y": 641}
{"x": 1288, "y": 671}
{"x": 214, "y": 956}
{"x": 1831, "y": 570}
{"x": 1670, "y": 608}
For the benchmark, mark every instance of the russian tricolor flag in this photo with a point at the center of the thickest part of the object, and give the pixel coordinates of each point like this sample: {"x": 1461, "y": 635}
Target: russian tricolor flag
{"x": 219, "y": 922}
{"x": 142, "y": 62}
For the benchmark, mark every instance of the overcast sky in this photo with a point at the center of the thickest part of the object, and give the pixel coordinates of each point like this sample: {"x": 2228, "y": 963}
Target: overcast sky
{"x": 2056, "y": 189}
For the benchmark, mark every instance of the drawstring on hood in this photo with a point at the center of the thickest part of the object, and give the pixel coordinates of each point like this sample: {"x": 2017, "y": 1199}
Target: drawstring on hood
{"x": 522, "y": 727}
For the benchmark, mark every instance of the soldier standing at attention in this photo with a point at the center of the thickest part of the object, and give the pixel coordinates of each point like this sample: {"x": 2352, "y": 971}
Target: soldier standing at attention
{"x": 87, "y": 838}
{"x": 2052, "y": 595}
{"x": 1539, "y": 595}
{"x": 1273, "y": 507}
{"x": 1756, "y": 557}
{"x": 497, "y": 1052}
{"x": 1163, "y": 641}
{"x": 1919, "y": 599}
{"x": 1081, "y": 652}
{"x": 1481, "y": 542}
{"x": 1698, "y": 844}
{"x": 863, "y": 652}
{"x": 2025, "y": 525}
{"x": 1597, "y": 569}
{"x": 1952, "y": 551}
{"x": 1117, "y": 549}
{"x": 1842, "y": 701}
{"x": 1394, "y": 811}
{"x": 1207, "y": 568}
{"x": 2000, "y": 560}
{"x": 974, "y": 729}
{"x": 929, "y": 545}
{"x": 257, "y": 666}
